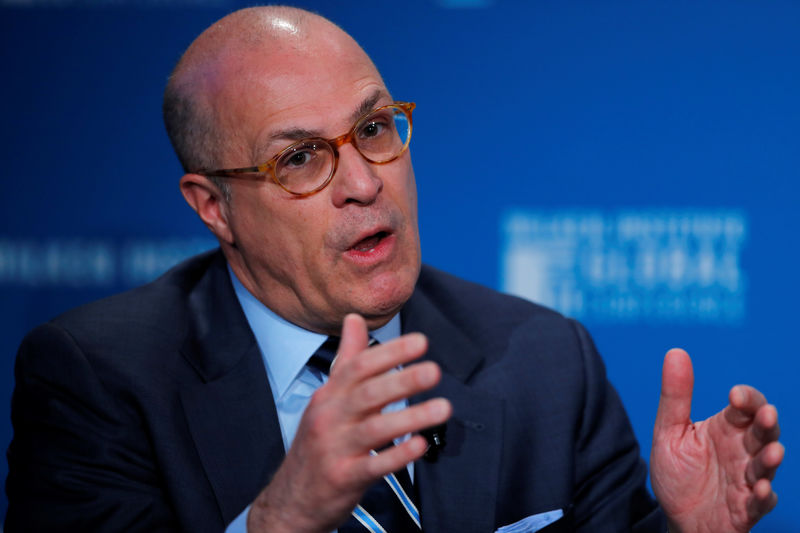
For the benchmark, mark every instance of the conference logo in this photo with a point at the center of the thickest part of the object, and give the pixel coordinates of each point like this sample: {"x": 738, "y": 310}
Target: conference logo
{"x": 638, "y": 265}
{"x": 85, "y": 263}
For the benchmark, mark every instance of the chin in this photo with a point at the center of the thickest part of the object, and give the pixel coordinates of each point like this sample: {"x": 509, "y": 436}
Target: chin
{"x": 386, "y": 294}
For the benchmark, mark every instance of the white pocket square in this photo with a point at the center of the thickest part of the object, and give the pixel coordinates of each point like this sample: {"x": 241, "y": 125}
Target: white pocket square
{"x": 532, "y": 523}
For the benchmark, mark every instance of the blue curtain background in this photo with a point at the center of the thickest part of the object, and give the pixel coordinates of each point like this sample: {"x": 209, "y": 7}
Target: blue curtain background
{"x": 538, "y": 122}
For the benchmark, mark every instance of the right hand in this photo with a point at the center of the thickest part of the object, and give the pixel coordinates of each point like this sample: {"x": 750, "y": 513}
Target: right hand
{"x": 328, "y": 466}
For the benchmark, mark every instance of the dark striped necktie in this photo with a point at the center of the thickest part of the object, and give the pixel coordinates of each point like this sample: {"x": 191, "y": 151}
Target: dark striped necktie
{"x": 388, "y": 505}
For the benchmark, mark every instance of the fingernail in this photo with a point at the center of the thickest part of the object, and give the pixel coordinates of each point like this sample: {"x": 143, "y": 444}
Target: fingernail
{"x": 417, "y": 341}
{"x": 742, "y": 395}
{"x": 440, "y": 407}
{"x": 431, "y": 373}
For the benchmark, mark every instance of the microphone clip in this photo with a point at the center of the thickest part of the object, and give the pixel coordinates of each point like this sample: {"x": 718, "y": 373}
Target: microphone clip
{"x": 437, "y": 440}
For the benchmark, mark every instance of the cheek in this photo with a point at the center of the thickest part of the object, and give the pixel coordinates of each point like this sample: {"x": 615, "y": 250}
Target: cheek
{"x": 412, "y": 196}
{"x": 408, "y": 195}
{"x": 277, "y": 232}
{"x": 400, "y": 184}
{"x": 302, "y": 241}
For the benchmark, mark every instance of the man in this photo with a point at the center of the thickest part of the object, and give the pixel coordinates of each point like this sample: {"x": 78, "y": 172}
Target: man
{"x": 188, "y": 404}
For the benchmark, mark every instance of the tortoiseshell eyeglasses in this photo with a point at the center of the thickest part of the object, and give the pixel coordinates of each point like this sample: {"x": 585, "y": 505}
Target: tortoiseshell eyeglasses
{"x": 307, "y": 166}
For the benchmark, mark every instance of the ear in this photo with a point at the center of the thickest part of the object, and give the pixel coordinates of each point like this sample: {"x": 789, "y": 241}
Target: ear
{"x": 209, "y": 203}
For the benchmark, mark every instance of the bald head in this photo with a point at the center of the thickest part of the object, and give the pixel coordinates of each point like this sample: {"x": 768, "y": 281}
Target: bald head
{"x": 214, "y": 69}
{"x": 267, "y": 82}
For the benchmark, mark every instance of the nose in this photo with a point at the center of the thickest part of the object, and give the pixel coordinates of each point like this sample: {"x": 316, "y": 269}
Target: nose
{"x": 356, "y": 179}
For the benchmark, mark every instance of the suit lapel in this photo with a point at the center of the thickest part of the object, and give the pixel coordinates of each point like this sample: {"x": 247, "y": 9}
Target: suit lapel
{"x": 234, "y": 424}
{"x": 230, "y": 411}
{"x": 457, "y": 492}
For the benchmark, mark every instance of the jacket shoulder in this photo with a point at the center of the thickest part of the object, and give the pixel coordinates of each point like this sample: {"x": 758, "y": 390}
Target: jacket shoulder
{"x": 473, "y": 303}
{"x": 152, "y": 298}
{"x": 155, "y": 313}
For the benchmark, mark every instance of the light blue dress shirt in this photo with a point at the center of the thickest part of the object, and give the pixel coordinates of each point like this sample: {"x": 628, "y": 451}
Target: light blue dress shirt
{"x": 285, "y": 348}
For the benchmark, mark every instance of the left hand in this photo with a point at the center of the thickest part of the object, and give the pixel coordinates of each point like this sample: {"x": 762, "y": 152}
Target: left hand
{"x": 714, "y": 475}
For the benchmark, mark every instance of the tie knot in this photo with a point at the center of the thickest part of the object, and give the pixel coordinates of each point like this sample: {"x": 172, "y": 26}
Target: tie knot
{"x": 324, "y": 356}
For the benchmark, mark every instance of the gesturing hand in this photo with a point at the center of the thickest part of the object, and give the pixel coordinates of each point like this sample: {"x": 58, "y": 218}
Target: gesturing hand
{"x": 714, "y": 475}
{"x": 328, "y": 466}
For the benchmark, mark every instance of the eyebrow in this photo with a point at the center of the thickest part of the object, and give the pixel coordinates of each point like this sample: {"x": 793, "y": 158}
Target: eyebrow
{"x": 295, "y": 134}
{"x": 367, "y": 105}
{"x": 298, "y": 134}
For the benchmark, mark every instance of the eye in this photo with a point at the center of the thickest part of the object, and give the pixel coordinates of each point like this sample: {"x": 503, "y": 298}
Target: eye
{"x": 376, "y": 125}
{"x": 373, "y": 128}
{"x": 299, "y": 157}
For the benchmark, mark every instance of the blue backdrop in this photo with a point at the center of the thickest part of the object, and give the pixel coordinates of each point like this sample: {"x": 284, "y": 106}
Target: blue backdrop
{"x": 633, "y": 164}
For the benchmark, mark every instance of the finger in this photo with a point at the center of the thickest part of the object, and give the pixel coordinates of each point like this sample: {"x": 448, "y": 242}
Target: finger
{"x": 373, "y": 394}
{"x": 765, "y": 463}
{"x": 765, "y": 429}
{"x": 380, "y": 429}
{"x": 355, "y": 338}
{"x": 394, "y": 458}
{"x": 382, "y": 358}
{"x": 762, "y": 501}
{"x": 744, "y": 402}
{"x": 677, "y": 381}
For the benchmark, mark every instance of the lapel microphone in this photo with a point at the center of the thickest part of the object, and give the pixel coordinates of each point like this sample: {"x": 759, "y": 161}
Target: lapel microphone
{"x": 436, "y": 437}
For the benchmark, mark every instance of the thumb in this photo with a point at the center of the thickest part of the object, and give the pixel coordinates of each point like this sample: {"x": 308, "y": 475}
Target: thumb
{"x": 355, "y": 337}
{"x": 677, "y": 381}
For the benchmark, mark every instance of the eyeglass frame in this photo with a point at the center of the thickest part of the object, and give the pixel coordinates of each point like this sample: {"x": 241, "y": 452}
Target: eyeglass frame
{"x": 268, "y": 168}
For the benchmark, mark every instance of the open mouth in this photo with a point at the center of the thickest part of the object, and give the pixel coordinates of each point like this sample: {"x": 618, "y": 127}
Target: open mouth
{"x": 369, "y": 243}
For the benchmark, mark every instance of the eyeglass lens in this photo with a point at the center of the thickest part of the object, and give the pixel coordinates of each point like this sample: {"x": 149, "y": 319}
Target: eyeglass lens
{"x": 379, "y": 137}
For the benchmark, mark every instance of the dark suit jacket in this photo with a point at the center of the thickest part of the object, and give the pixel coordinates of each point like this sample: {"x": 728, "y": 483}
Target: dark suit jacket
{"x": 151, "y": 411}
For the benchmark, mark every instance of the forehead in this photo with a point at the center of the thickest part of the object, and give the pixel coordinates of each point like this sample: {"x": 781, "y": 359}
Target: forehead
{"x": 318, "y": 88}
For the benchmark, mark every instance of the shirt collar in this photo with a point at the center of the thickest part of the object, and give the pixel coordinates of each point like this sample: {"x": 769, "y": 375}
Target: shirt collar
{"x": 286, "y": 347}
